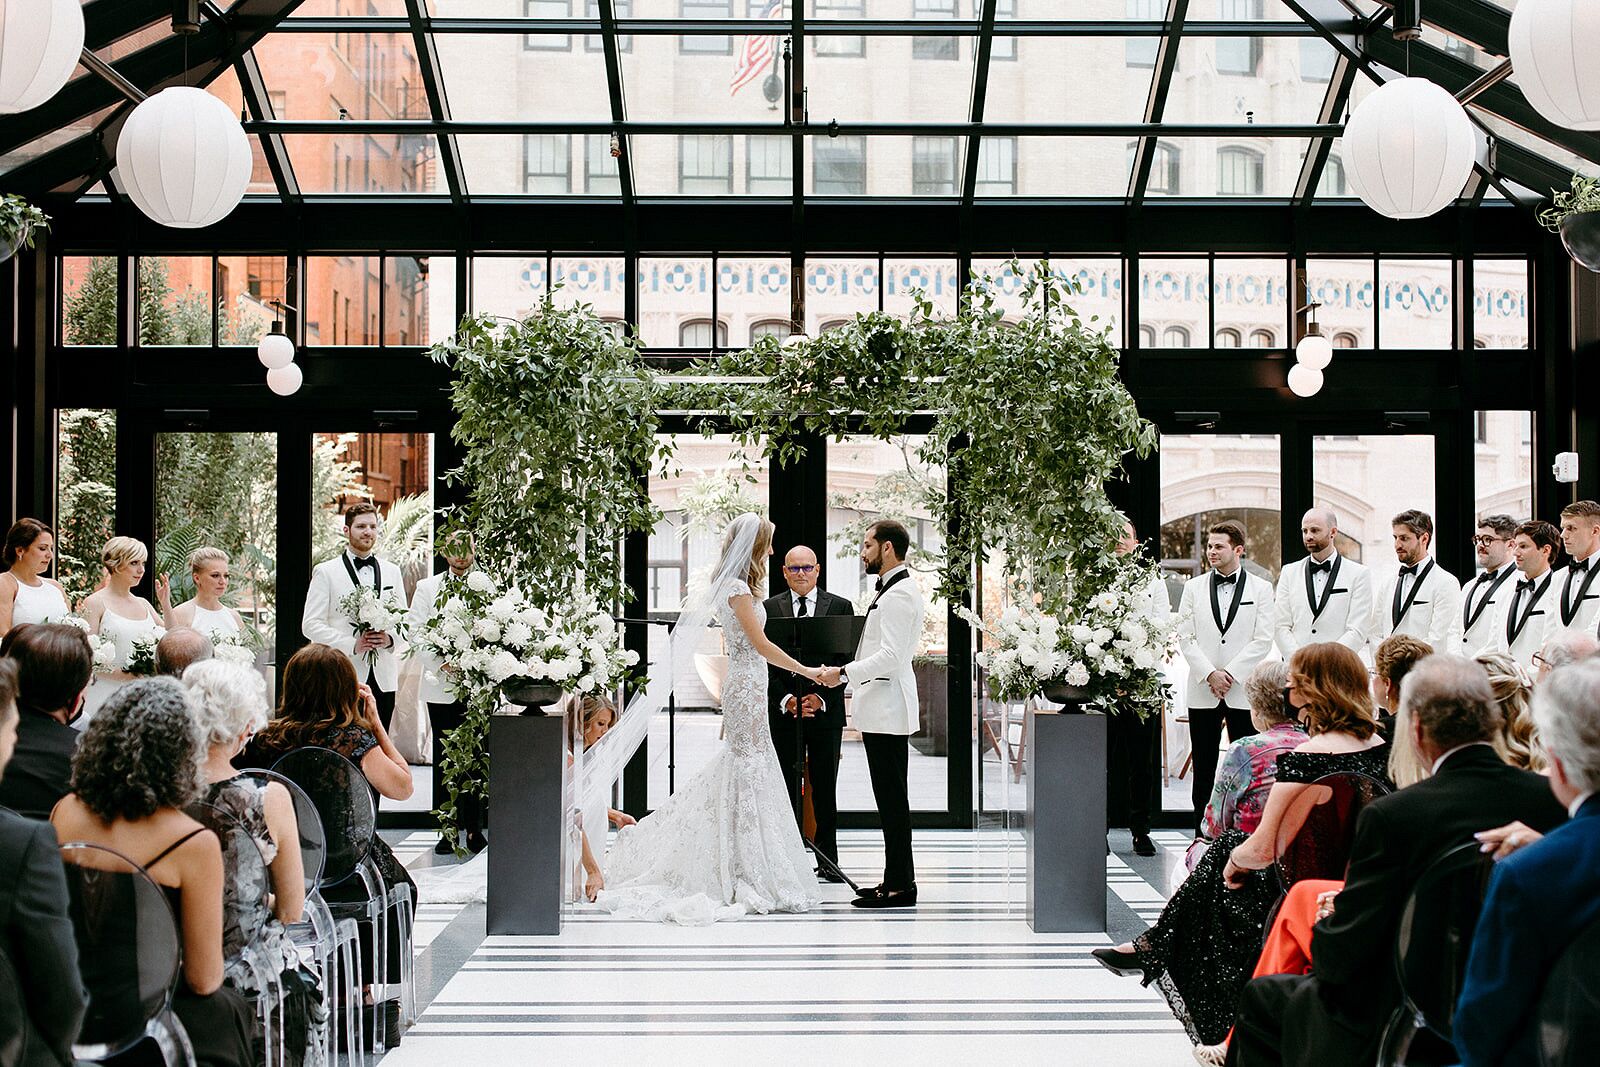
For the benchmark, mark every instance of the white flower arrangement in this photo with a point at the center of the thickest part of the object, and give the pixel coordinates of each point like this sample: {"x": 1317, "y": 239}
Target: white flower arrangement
{"x": 368, "y": 612}
{"x": 142, "y": 653}
{"x": 1025, "y": 650}
{"x": 231, "y": 648}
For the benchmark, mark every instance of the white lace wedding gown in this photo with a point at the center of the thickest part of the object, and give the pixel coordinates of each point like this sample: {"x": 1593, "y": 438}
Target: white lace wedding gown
{"x": 725, "y": 844}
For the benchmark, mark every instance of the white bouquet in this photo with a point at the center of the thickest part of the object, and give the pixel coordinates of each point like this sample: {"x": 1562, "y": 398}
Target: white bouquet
{"x": 1023, "y": 650}
{"x": 103, "y": 649}
{"x": 231, "y": 648}
{"x": 368, "y": 612}
{"x": 142, "y": 653}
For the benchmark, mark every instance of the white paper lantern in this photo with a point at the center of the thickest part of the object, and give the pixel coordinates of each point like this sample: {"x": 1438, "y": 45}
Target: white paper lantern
{"x": 40, "y": 41}
{"x": 1304, "y": 380}
{"x": 1555, "y": 54}
{"x": 1409, "y": 149}
{"x": 183, "y": 158}
{"x": 1314, "y": 350}
{"x": 285, "y": 380}
{"x": 275, "y": 350}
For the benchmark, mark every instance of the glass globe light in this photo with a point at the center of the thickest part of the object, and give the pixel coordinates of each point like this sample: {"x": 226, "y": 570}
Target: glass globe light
{"x": 286, "y": 380}
{"x": 1314, "y": 350}
{"x": 275, "y": 350}
{"x": 1304, "y": 380}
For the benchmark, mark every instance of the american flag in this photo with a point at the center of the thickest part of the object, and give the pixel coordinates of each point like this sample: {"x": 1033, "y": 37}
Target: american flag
{"x": 756, "y": 52}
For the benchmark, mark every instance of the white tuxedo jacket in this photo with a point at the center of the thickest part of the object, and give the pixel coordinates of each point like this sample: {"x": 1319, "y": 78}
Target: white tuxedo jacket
{"x": 1207, "y": 647}
{"x": 424, "y": 602}
{"x": 882, "y": 684}
{"x": 1435, "y": 612}
{"x": 1580, "y": 592}
{"x": 325, "y": 624}
{"x": 1345, "y": 618}
{"x": 1481, "y": 603}
{"x": 1543, "y": 619}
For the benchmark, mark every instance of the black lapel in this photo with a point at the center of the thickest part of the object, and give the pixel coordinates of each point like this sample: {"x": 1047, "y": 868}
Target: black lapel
{"x": 1233, "y": 608}
{"x": 350, "y": 569}
{"x": 1514, "y": 625}
{"x": 1470, "y": 613}
{"x": 1317, "y": 606}
{"x": 1567, "y": 615}
{"x": 1398, "y": 610}
{"x": 890, "y": 584}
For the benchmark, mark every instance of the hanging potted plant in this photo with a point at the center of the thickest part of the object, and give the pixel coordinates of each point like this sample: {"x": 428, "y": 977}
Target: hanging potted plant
{"x": 1575, "y": 215}
{"x": 19, "y": 221}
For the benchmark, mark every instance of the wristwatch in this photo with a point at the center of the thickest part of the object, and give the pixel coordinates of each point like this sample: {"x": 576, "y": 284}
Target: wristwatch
{"x": 843, "y": 677}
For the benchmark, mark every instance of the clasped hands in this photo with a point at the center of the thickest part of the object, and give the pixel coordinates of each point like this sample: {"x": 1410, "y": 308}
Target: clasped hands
{"x": 1219, "y": 682}
{"x": 828, "y": 676}
{"x": 373, "y": 640}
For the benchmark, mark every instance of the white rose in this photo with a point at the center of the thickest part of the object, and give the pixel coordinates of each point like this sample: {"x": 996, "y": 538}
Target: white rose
{"x": 585, "y": 684}
{"x": 1143, "y": 658}
{"x": 1077, "y": 674}
{"x": 501, "y": 609}
{"x": 1109, "y": 665}
{"x": 1082, "y": 634}
{"x": 503, "y": 665}
{"x": 486, "y": 630}
{"x": 1093, "y": 651}
{"x": 479, "y": 582}
{"x": 1106, "y": 601}
{"x": 1103, "y": 635}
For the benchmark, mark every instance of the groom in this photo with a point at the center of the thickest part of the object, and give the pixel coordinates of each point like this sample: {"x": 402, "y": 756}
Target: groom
{"x": 885, "y": 704}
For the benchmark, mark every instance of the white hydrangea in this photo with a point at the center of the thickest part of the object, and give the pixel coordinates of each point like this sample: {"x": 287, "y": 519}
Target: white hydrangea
{"x": 479, "y": 582}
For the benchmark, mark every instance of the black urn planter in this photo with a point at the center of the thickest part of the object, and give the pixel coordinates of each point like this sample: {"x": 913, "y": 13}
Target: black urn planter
{"x": 1580, "y": 234}
{"x": 1072, "y": 697}
{"x": 532, "y": 694}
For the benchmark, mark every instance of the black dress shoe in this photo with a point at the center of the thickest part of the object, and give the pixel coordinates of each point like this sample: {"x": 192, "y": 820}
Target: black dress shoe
{"x": 1122, "y": 964}
{"x": 888, "y": 898}
{"x": 1143, "y": 846}
{"x": 869, "y": 891}
{"x": 828, "y": 876}
{"x": 476, "y": 842}
{"x": 443, "y": 847}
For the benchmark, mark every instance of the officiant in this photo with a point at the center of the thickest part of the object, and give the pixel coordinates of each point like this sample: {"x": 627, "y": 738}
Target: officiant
{"x": 804, "y": 714}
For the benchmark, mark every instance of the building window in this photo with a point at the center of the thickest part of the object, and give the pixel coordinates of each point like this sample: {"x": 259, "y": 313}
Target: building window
{"x": 622, "y": 9}
{"x": 545, "y": 167}
{"x": 839, "y": 46}
{"x": 1141, "y": 51}
{"x": 933, "y": 166}
{"x": 769, "y": 328}
{"x": 1333, "y": 177}
{"x": 1147, "y": 337}
{"x": 1163, "y": 167}
{"x": 769, "y": 167}
{"x": 1239, "y": 55}
{"x": 1316, "y": 60}
{"x": 1003, "y": 48}
{"x": 833, "y": 324}
{"x": 705, "y": 164}
{"x": 1175, "y": 337}
{"x": 997, "y": 166}
{"x": 547, "y": 9}
{"x": 934, "y": 47}
{"x": 697, "y": 333}
{"x": 599, "y": 165}
{"x": 705, "y": 9}
{"x": 1462, "y": 50}
{"x": 1263, "y": 339}
{"x": 1228, "y": 339}
{"x": 1344, "y": 339}
{"x": 839, "y": 166}
{"x": 1239, "y": 171}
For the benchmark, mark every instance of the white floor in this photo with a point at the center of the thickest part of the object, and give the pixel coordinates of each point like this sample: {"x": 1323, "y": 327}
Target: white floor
{"x": 960, "y": 977}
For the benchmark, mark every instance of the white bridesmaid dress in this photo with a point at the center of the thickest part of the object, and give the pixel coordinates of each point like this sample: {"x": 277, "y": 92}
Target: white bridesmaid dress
{"x": 122, "y": 631}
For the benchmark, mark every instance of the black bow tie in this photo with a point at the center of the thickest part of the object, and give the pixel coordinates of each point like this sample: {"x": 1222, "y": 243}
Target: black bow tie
{"x": 1410, "y": 568}
{"x": 1524, "y": 585}
{"x": 1487, "y": 576}
{"x": 1580, "y": 566}
{"x": 1227, "y": 579}
{"x": 1326, "y": 567}
{"x": 878, "y": 585}
{"x": 370, "y": 561}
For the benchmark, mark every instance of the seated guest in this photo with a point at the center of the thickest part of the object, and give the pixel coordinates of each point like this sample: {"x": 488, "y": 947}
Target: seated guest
{"x": 178, "y": 648}
{"x": 1250, "y": 765}
{"x": 1568, "y": 646}
{"x": 1544, "y": 895}
{"x": 1392, "y": 659}
{"x": 41, "y": 998}
{"x": 230, "y": 703}
{"x": 54, "y": 666}
{"x": 137, "y": 766}
{"x": 1513, "y": 692}
{"x": 1202, "y": 949}
{"x": 1335, "y": 1015}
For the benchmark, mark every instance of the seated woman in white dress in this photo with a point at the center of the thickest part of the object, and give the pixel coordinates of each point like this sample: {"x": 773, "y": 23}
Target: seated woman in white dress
{"x": 116, "y": 612}
{"x": 205, "y": 612}
{"x": 26, "y": 595}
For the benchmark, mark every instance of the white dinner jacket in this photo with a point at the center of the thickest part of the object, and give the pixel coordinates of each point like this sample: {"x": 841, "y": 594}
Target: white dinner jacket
{"x": 1481, "y": 602}
{"x": 1345, "y": 619}
{"x": 1435, "y": 614}
{"x": 1544, "y": 618}
{"x": 882, "y": 683}
{"x": 424, "y": 603}
{"x": 1206, "y": 647}
{"x": 325, "y": 624}
{"x": 1585, "y": 594}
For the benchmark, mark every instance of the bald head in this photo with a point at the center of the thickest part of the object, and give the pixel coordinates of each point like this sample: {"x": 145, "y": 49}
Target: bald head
{"x": 1564, "y": 648}
{"x": 180, "y": 647}
{"x": 1317, "y": 528}
{"x": 800, "y": 570}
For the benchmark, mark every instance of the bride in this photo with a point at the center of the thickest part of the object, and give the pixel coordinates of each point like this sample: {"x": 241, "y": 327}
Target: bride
{"x": 725, "y": 844}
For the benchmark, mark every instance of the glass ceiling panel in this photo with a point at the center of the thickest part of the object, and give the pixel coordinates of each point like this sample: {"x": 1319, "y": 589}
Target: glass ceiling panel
{"x": 321, "y": 76}
{"x": 495, "y": 78}
{"x": 1053, "y": 166}
{"x": 691, "y": 79}
{"x": 713, "y": 165}
{"x": 225, "y": 87}
{"x": 884, "y": 166}
{"x": 1043, "y": 79}
{"x": 362, "y": 164}
{"x": 1239, "y": 11}
{"x": 545, "y": 164}
{"x": 1235, "y": 167}
{"x": 909, "y": 79}
{"x": 1463, "y": 50}
{"x": 37, "y": 147}
{"x": 125, "y": 46}
{"x": 1240, "y": 79}
{"x": 1535, "y": 144}
{"x": 361, "y": 8}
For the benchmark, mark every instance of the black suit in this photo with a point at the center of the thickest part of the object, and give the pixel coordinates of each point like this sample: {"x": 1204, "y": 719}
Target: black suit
{"x": 1336, "y": 1014}
{"x": 41, "y": 767}
{"x": 822, "y": 733}
{"x": 41, "y": 1014}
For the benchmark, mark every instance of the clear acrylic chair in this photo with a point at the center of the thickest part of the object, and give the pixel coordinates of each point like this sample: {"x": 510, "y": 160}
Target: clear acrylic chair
{"x": 1568, "y": 1020}
{"x": 1316, "y": 835}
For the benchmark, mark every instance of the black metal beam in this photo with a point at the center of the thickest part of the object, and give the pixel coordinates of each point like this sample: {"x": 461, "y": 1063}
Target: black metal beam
{"x": 980, "y": 93}
{"x": 1156, "y": 103}
{"x": 107, "y": 21}
{"x": 1345, "y": 73}
{"x": 438, "y": 102}
{"x": 259, "y": 102}
{"x": 614, "y": 92}
{"x": 873, "y": 129}
{"x": 736, "y": 27}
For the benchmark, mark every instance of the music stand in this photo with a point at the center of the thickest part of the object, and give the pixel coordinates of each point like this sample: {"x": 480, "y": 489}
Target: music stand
{"x": 830, "y": 641}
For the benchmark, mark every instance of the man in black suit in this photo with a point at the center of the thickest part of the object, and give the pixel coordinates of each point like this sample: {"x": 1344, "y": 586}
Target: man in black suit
{"x": 54, "y": 666}
{"x": 1335, "y": 1015}
{"x": 804, "y": 714}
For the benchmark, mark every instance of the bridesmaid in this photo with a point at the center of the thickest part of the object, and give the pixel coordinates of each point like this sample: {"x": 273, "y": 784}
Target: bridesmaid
{"x": 206, "y": 612}
{"x": 26, "y": 595}
{"x": 116, "y": 612}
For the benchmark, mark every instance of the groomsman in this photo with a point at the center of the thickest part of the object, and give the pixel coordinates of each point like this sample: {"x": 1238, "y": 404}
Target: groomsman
{"x": 1133, "y": 745}
{"x": 1482, "y": 597}
{"x": 1531, "y": 615}
{"x": 1225, "y": 626}
{"x": 445, "y": 710}
{"x": 1580, "y": 586}
{"x": 1323, "y": 597}
{"x": 1423, "y": 600}
{"x": 325, "y": 623}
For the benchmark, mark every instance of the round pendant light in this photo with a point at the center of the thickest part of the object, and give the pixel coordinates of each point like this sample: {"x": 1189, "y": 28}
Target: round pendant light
{"x": 1304, "y": 380}
{"x": 183, "y": 158}
{"x": 1314, "y": 350}
{"x": 275, "y": 349}
{"x": 40, "y": 41}
{"x": 1553, "y": 46}
{"x": 1409, "y": 149}
{"x": 285, "y": 380}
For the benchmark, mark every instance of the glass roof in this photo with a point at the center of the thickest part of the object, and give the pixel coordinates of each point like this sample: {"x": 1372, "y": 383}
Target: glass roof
{"x": 897, "y": 99}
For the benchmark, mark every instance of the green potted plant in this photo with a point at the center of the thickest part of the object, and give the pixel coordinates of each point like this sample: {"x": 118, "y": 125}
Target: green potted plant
{"x": 19, "y": 221}
{"x": 1575, "y": 215}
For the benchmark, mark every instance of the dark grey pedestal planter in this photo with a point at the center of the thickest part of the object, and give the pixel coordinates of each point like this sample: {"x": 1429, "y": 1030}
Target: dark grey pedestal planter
{"x": 527, "y": 758}
{"x": 1065, "y": 825}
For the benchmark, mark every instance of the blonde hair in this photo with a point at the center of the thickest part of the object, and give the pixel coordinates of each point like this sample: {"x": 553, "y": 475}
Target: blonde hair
{"x": 581, "y": 711}
{"x": 206, "y": 554}
{"x": 756, "y": 576}
{"x": 1513, "y": 691}
{"x": 1406, "y": 765}
{"x": 122, "y": 551}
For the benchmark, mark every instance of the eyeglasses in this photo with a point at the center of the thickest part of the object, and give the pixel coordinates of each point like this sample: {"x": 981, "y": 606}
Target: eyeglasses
{"x": 1484, "y": 540}
{"x": 1540, "y": 661}
{"x": 803, "y": 568}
